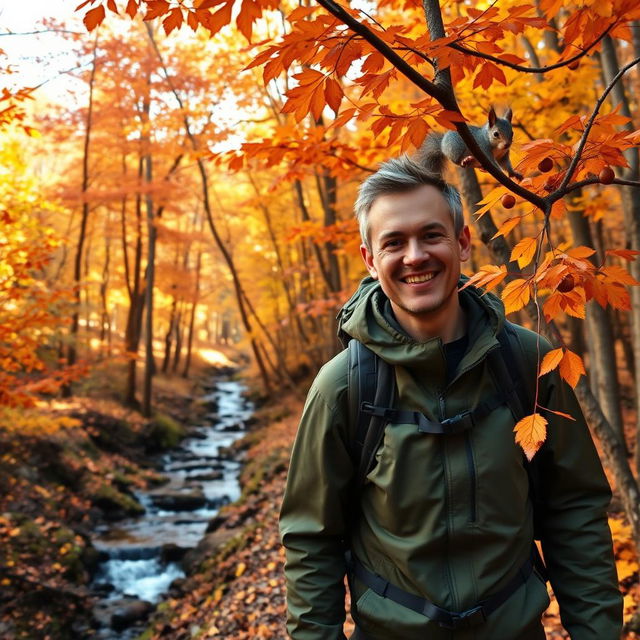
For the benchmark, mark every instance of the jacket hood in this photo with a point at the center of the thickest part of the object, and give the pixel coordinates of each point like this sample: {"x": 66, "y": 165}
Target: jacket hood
{"x": 367, "y": 317}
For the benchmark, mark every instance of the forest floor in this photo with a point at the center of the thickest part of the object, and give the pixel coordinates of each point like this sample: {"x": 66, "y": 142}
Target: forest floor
{"x": 238, "y": 592}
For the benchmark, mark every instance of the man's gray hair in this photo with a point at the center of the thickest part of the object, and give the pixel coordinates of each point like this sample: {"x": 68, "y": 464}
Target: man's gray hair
{"x": 398, "y": 175}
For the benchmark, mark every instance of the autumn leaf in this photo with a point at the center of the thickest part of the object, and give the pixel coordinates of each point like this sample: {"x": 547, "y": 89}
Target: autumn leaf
{"x": 333, "y": 94}
{"x": 488, "y": 277}
{"x": 550, "y": 361}
{"x": 156, "y": 8}
{"x": 571, "y": 368}
{"x": 93, "y": 18}
{"x": 172, "y": 21}
{"x": 531, "y": 432}
{"x": 516, "y": 295}
{"x": 524, "y": 251}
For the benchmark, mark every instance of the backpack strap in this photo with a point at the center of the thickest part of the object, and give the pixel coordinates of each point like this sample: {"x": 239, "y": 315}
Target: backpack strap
{"x": 371, "y": 383}
{"x": 509, "y": 372}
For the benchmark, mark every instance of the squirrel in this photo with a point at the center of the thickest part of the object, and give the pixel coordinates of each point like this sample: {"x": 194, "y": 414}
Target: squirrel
{"x": 494, "y": 138}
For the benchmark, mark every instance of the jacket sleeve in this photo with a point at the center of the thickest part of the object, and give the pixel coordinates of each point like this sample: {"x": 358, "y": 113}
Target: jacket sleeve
{"x": 572, "y": 520}
{"x": 313, "y": 519}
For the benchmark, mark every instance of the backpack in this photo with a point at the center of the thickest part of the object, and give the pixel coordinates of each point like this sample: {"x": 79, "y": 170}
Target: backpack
{"x": 371, "y": 396}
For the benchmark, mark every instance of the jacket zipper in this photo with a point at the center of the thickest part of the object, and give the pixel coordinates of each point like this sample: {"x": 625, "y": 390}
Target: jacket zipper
{"x": 444, "y": 460}
{"x": 472, "y": 477}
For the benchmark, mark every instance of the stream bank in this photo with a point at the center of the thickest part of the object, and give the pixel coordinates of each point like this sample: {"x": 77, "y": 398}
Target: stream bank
{"x": 143, "y": 555}
{"x": 67, "y": 470}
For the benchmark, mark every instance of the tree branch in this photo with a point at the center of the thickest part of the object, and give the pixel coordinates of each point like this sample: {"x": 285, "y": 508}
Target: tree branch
{"x": 441, "y": 90}
{"x": 585, "y": 135}
{"x": 519, "y": 67}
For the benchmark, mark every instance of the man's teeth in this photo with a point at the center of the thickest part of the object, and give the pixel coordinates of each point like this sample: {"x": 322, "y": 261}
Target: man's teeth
{"x": 417, "y": 279}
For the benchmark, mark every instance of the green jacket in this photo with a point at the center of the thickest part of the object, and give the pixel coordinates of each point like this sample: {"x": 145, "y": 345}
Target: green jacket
{"x": 445, "y": 517}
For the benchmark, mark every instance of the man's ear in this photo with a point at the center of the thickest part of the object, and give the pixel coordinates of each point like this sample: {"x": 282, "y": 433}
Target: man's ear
{"x": 367, "y": 257}
{"x": 464, "y": 242}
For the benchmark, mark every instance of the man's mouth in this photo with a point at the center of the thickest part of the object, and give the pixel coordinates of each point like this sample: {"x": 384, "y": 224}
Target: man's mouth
{"x": 425, "y": 277}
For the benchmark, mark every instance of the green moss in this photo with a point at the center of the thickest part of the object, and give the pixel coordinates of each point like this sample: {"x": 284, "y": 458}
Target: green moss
{"x": 164, "y": 432}
{"x": 108, "y": 498}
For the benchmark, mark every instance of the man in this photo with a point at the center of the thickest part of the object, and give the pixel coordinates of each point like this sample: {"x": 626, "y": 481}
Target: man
{"x": 444, "y": 523}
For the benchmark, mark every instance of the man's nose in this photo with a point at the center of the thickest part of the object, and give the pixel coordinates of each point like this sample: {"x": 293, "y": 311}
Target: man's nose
{"x": 416, "y": 252}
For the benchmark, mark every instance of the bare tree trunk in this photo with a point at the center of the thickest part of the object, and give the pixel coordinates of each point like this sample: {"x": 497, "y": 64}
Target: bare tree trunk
{"x": 105, "y": 318}
{"x": 168, "y": 338}
{"x": 72, "y": 354}
{"x": 212, "y": 226}
{"x": 136, "y": 295}
{"x": 192, "y": 316}
{"x": 149, "y": 367}
{"x": 631, "y": 209}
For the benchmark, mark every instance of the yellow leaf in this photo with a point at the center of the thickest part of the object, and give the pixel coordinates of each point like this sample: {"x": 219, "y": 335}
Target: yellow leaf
{"x": 531, "y": 432}
{"x": 571, "y": 368}
{"x": 550, "y": 361}
{"x": 507, "y": 227}
{"x": 516, "y": 295}
{"x": 240, "y": 569}
{"x": 524, "y": 251}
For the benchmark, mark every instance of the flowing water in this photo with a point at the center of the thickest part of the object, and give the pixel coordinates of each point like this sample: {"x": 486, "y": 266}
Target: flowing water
{"x": 137, "y": 547}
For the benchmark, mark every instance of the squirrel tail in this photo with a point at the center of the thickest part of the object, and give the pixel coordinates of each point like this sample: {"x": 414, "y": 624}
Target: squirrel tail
{"x": 430, "y": 154}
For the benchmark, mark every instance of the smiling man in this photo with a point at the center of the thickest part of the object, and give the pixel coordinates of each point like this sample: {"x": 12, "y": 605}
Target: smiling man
{"x": 439, "y": 527}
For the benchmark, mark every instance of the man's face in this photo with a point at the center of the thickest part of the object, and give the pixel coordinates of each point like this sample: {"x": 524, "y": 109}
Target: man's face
{"x": 415, "y": 253}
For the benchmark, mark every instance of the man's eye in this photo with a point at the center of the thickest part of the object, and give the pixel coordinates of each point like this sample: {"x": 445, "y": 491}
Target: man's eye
{"x": 433, "y": 236}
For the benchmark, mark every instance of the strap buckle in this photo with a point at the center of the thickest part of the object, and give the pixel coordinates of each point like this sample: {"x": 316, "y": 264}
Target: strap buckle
{"x": 465, "y": 619}
{"x": 459, "y": 423}
{"x": 380, "y": 412}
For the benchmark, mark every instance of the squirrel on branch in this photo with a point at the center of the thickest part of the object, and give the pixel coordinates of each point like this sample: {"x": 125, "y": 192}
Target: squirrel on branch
{"x": 494, "y": 138}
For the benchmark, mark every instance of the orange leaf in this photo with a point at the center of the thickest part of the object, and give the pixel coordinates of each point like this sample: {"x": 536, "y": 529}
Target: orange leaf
{"x": 625, "y": 254}
{"x": 507, "y": 227}
{"x": 156, "y": 8}
{"x": 552, "y": 306}
{"x": 132, "y": 8}
{"x": 550, "y": 361}
{"x": 618, "y": 297}
{"x": 531, "y": 432}
{"x": 562, "y": 414}
{"x": 172, "y": 21}
{"x": 524, "y": 251}
{"x": 515, "y": 295}
{"x": 111, "y": 5}
{"x": 571, "y": 368}
{"x": 619, "y": 275}
{"x": 333, "y": 94}
{"x": 93, "y": 18}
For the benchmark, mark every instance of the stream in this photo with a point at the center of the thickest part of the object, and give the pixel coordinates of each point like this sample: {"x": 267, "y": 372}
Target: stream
{"x": 143, "y": 552}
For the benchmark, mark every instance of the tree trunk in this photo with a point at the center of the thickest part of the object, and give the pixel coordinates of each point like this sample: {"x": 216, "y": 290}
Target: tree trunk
{"x": 149, "y": 365}
{"x": 72, "y": 354}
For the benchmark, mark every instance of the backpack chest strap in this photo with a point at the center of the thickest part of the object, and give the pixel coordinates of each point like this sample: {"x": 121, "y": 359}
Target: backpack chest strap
{"x": 450, "y": 426}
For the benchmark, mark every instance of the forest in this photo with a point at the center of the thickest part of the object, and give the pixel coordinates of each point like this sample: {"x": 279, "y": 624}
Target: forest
{"x": 177, "y": 237}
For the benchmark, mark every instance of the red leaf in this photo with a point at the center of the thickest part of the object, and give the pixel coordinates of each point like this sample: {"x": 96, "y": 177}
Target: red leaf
{"x": 172, "y": 21}
{"x": 111, "y": 5}
{"x": 93, "y": 18}
{"x": 132, "y": 8}
{"x": 156, "y": 8}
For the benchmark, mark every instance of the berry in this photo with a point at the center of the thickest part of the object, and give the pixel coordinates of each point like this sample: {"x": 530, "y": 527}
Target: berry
{"x": 566, "y": 284}
{"x": 545, "y": 165}
{"x": 607, "y": 175}
{"x": 574, "y": 65}
{"x": 508, "y": 201}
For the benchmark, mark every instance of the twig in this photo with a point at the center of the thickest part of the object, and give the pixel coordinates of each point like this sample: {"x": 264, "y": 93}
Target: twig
{"x": 585, "y": 135}
{"x": 519, "y": 67}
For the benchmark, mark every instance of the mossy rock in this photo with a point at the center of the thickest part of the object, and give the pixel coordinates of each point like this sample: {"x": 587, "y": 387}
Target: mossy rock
{"x": 114, "y": 503}
{"x": 163, "y": 432}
